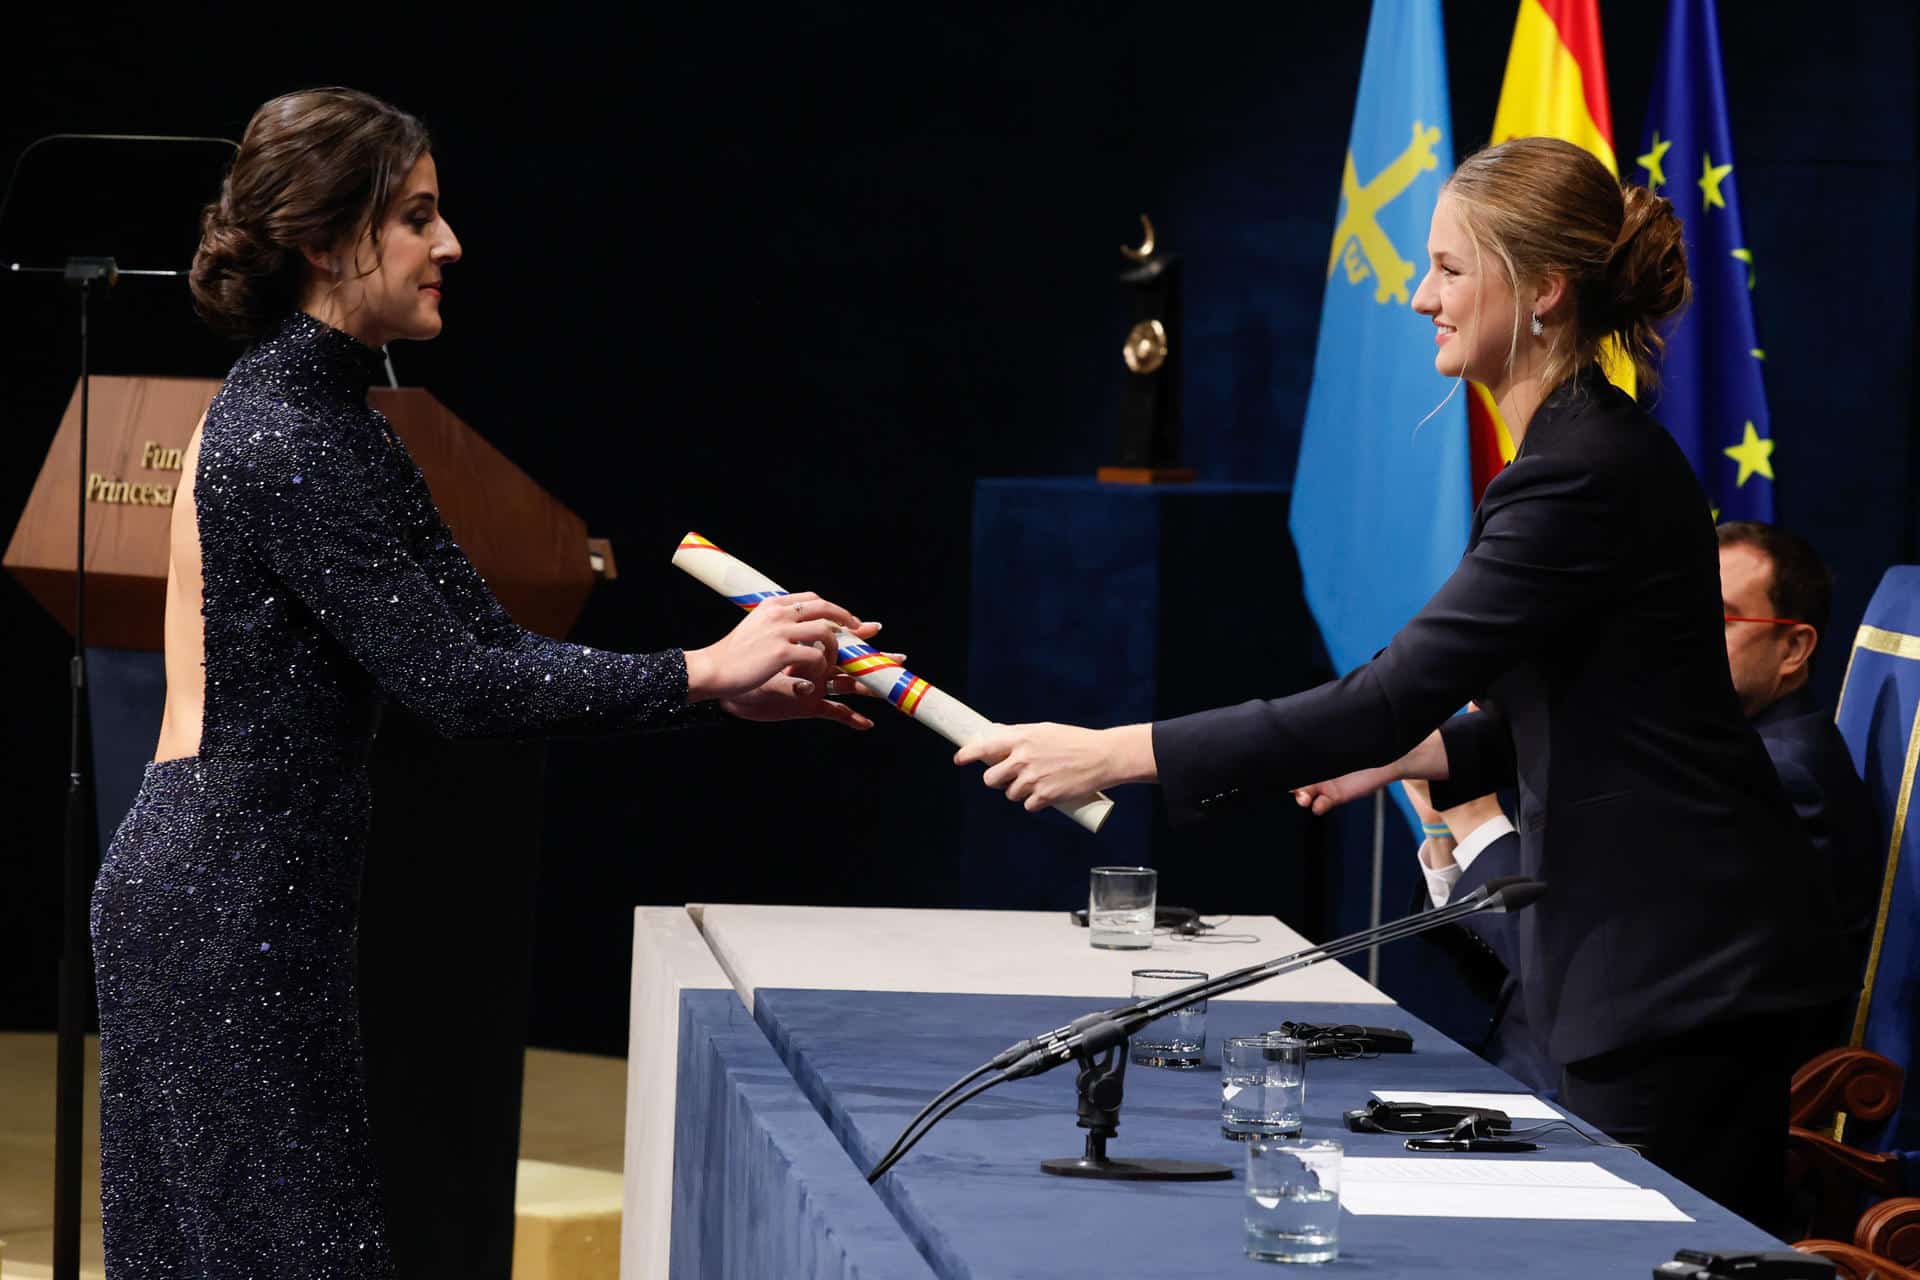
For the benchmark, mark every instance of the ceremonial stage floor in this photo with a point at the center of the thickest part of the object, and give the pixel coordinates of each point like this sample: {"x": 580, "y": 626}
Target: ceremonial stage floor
{"x": 571, "y": 1132}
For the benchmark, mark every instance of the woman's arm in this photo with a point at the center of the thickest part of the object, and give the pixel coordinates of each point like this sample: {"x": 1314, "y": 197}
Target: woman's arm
{"x": 319, "y": 522}
{"x": 469, "y": 597}
{"x": 1550, "y": 545}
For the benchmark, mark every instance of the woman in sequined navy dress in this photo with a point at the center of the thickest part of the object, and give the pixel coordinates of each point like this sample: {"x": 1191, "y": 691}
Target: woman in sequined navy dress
{"x": 310, "y": 578}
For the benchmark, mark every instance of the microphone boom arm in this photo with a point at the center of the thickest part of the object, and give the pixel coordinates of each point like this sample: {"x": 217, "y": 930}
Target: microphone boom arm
{"x": 1095, "y": 1032}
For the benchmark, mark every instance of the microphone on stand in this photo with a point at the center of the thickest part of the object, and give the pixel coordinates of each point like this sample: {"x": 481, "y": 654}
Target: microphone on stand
{"x": 1087, "y": 1037}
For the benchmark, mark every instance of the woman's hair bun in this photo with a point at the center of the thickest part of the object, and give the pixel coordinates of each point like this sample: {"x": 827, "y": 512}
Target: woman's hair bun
{"x": 239, "y": 278}
{"x": 1646, "y": 277}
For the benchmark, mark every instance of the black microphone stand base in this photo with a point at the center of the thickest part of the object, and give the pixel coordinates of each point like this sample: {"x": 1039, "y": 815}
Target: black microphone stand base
{"x": 1101, "y": 1085}
{"x": 1137, "y": 1170}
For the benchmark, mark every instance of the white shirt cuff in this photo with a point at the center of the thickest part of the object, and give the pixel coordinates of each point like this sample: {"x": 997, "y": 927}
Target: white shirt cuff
{"x": 1440, "y": 880}
{"x": 1479, "y": 838}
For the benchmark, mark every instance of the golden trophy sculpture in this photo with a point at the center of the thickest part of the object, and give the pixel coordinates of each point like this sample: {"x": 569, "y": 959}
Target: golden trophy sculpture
{"x": 1150, "y": 407}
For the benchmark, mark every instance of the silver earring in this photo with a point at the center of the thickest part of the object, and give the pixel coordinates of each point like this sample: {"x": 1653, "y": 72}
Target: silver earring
{"x": 1536, "y": 327}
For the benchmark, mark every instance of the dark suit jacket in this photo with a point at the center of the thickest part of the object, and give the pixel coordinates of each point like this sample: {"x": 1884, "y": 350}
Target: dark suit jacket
{"x": 1817, "y": 772}
{"x": 1586, "y": 618}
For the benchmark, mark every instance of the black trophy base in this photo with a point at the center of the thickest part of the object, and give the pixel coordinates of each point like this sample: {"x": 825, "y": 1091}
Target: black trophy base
{"x": 1137, "y": 1170}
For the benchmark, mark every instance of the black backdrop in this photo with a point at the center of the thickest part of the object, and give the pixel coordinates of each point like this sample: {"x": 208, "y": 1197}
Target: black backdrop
{"x": 796, "y": 280}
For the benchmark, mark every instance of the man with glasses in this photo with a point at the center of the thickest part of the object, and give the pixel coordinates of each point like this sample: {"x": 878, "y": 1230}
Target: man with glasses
{"x": 1778, "y": 595}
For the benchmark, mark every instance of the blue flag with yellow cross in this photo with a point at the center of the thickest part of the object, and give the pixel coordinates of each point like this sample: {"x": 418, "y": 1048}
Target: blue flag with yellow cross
{"x": 1712, "y": 396}
{"x": 1381, "y": 500}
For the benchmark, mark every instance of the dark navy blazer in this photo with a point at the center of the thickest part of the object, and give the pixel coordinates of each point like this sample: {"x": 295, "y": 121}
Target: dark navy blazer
{"x": 1814, "y": 767}
{"x": 1586, "y": 618}
{"x": 1817, "y": 771}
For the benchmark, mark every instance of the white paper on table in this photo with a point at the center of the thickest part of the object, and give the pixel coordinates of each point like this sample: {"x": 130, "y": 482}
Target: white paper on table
{"x": 1449, "y": 1187}
{"x": 1469, "y": 1172}
{"x": 1519, "y": 1106}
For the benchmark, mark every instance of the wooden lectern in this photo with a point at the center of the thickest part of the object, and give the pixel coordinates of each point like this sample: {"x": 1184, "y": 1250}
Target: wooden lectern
{"x": 532, "y": 551}
{"x": 447, "y": 906}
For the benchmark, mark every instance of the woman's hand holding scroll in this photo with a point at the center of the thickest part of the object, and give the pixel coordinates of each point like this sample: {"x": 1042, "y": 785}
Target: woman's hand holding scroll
{"x": 1041, "y": 764}
{"x": 777, "y": 663}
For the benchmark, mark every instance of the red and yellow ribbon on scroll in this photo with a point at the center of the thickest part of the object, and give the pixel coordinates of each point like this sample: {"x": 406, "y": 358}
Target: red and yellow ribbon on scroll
{"x": 878, "y": 672}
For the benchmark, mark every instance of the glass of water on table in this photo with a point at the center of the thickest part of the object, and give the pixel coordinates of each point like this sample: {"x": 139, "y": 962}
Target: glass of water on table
{"x": 1120, "y": 903}
{"x": 1293, "y": 1200}
{"x": 1263, "y": 1086}
{"x": 1177, "y": 1039}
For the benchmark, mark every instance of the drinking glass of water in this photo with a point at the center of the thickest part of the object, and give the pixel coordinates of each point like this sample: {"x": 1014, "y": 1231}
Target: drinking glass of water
{"x": 1177, "y": 1039}
{"x": 1263, "y": 1086}
{"x": 1120, "y": 908}
{"x": 1293, "y": 1200}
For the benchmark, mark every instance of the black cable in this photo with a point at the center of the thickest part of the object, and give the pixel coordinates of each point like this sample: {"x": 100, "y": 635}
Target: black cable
{"x": 1210, "y": 934}
{"x": 879, "y": 1170}
{"x": 1162, "y": 1005}
{"x": 944, "y": 1094}
{"x": 1533, "y": 1130}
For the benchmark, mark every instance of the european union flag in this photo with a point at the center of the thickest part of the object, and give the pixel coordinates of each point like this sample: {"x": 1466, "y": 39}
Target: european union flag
{"x": 1711, "y": 394}
{"x": 1381, "y": 503}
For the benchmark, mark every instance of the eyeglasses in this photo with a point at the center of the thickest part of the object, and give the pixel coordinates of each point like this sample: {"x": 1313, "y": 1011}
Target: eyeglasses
{"x": 1772, "y": 622}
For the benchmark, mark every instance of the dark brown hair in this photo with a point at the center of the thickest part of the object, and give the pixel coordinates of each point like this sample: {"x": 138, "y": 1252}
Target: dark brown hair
{"x": 314, "y": 168}
{"x": 1801, "y": 588}
{"x": 1544, "y": 207}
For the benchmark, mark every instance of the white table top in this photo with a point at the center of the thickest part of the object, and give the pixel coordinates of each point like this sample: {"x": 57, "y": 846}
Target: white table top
{"x": 990, "y": 953}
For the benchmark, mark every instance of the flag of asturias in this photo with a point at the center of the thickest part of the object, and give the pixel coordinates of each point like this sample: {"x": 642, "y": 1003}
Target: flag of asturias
{"x": 1712, "y": 397}
{"x": 1380, "y": 509}
{"x": 1555, "y": 87}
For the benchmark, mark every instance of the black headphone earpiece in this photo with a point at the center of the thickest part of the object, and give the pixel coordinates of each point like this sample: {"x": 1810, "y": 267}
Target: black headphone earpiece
{"x": 1473, "y": 1126}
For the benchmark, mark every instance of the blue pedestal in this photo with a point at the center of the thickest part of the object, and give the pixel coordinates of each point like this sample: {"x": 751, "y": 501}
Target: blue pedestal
{"x": 1110, "y": 604}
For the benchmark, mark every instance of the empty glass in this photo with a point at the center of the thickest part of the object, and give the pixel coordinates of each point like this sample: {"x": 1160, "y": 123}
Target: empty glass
{"x": 1120, "y": 907}
{"x": 1263, "y": 1086}
{"x": 1293, "y": 1200}
{"x": 1178, "y": 1039}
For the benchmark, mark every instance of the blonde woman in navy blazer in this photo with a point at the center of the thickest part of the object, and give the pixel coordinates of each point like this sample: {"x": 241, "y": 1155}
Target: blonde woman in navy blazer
{"x": 1585, "y": 619}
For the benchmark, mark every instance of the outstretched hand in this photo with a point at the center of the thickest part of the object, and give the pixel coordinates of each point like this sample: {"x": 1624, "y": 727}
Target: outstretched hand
{"x": 791, "y": 635}
{"x": 787, "y": 697}
{"x": 1427, "y": 760}
{"x": 778, "y": 662}
{"x": 1325, "y": 797}
{"x": 1038, "y": 765}
{"x": 793, "y": 696}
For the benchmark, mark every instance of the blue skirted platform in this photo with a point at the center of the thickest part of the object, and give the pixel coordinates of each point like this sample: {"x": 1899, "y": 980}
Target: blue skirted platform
{"x": 972, "y": 1199}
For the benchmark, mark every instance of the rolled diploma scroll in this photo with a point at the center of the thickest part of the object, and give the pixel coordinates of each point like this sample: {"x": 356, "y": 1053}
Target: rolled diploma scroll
{"x": 946, "y": 715}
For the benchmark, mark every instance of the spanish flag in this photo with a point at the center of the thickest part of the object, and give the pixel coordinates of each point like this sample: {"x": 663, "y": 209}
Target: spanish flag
{"x": 1556, "y": 87}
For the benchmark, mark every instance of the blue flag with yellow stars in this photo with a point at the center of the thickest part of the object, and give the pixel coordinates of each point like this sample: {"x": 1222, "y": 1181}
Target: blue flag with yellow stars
{"x": 1711, "y": 395}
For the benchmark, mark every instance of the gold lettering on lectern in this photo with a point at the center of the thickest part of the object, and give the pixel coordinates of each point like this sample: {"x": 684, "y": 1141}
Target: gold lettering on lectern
{"x": 155, "y": 456}
{"x": 124, "y": 493}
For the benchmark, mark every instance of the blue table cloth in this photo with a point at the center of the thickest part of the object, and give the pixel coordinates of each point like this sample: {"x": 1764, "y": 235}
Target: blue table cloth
{"x": 760, "y": 1188}
{"x": 972, "y": 1197}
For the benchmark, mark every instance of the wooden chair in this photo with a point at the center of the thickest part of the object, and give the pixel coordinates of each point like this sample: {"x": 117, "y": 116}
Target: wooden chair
{"x": 1886, "y": 1243}
{"x": 1852, "y": 1130}
{"x": 1841, "y": 1089}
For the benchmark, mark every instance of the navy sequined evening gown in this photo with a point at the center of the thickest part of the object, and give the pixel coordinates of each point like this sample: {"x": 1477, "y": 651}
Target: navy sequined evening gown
{"x": 233, "y": 1130}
